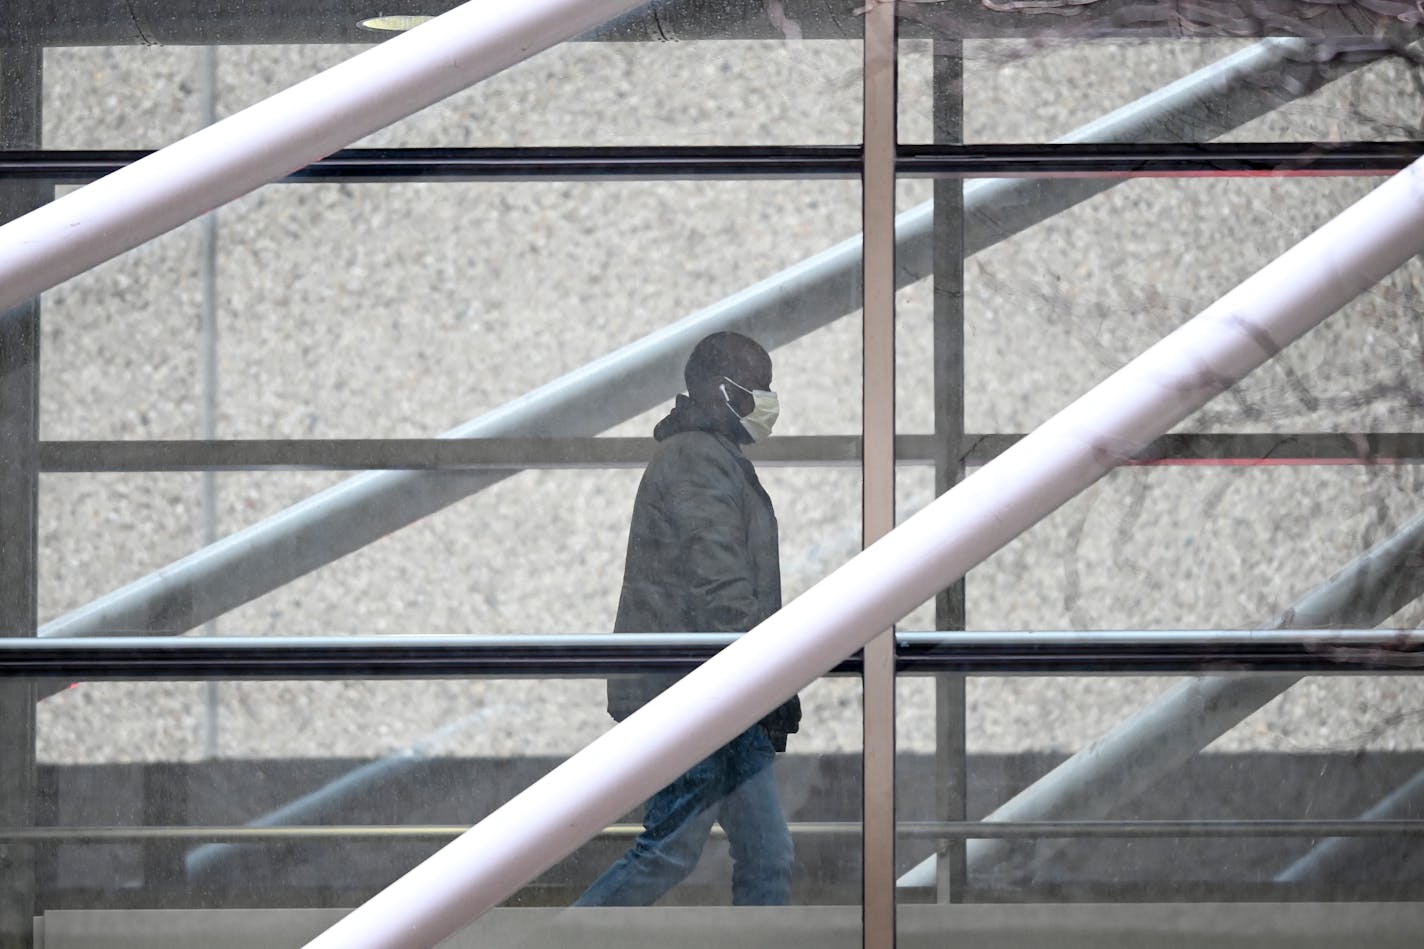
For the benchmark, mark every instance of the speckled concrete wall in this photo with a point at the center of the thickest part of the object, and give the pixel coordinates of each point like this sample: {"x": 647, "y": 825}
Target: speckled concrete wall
{"x": 403, "y": 310}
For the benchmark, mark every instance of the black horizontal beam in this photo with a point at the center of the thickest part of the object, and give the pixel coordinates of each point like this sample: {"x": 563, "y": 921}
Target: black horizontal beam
{"x": 1333, "y": 25}
{"x": 370, "y": 657}
{"x": 515, "y": 454}
{"x": 1192, "y": 159}
{"x": 226, "y": 22}
{"x": 218, "y": 22}
{"x": 1165, "y": 652}
{"x": 576, "y": 656}
{"x": 391, "y": 165}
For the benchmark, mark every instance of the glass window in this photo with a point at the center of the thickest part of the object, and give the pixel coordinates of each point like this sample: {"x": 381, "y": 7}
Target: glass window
{"x": 230, "y": 439}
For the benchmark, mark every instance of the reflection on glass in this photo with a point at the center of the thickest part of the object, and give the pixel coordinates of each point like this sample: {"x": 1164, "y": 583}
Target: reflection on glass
{"x": 342, "y": 786}
{"x": 360, "y": 311}
{"x": 1053, "y": 284}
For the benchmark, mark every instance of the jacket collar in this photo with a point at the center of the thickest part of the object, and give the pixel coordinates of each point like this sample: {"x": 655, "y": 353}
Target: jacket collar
{"x": 688, "y": 415}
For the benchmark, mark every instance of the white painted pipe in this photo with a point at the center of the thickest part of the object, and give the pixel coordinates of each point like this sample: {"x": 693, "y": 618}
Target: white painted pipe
{"x": 277, "y": 136}
{"x": 876, "y": 588}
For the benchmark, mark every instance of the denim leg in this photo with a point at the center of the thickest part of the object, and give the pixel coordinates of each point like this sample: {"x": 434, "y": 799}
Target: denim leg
{"x": 675, "y": 828}
{"x": 762, "y": 855}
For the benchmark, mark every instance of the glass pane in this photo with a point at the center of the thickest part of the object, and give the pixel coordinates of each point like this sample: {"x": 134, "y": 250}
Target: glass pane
{"x": 1192, "y": 547}
{"x": 1050, "y": 302}
{"x": 1315, "y": 86}
{"x": 408, "y": 310}
{"x": 364, "y": 312}
{"x": 1294, "y": 760}
{"x": 542, "y": 552}
{"x": 1056, "y": 308}
{"x": 109, "y": 97}
{"x": 727, "y": 92}
{"x": 391, "y": 770}
{"x": 1083, "y": 292}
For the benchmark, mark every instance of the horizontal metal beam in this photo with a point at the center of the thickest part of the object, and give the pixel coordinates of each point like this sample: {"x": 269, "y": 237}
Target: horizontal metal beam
{"x": 1038, "y": 830}
{"x": 387, "y": 165}
{"x": 920, "y": 830}
{"x": 1156, "y": 160}
{"x": 1167, "y": 652}
{"x": 1069, "y": 20}
{"x": 1222, "y": 652}
{"x": 1223, "y": 448}
{"x": 517, "y": 454}
{"x": 223, "y": 22}
{"x": 249, "y": 834}
{"x": 411, "y": 454}
{"x": 220, "y": 22}
{"x": 1030, "y": 160}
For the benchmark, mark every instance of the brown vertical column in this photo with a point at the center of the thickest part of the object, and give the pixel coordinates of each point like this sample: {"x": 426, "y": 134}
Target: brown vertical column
{"x": 878, "y": 487}
{"x": 20, "y": 91}
{"x": 950, "y": 771}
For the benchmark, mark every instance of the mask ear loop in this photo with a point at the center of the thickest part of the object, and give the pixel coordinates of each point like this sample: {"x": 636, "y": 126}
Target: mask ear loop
{"x": 728, "y": 399}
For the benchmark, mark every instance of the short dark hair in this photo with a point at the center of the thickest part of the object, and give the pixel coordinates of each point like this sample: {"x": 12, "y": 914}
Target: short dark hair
{"x": 720, "y": 355}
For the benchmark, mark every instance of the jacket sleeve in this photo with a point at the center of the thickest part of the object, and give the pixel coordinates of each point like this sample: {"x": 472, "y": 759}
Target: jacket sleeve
{"x": 706, "y": 505}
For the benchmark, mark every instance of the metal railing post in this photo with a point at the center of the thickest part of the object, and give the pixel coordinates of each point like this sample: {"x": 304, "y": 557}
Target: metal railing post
{"x": 951, "y": 752}
{"x": 21, "y": 101}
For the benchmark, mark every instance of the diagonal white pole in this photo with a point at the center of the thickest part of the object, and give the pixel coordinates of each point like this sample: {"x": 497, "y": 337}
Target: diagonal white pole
{"x": 840, "y": 614}
{"x": 277, "y": 136}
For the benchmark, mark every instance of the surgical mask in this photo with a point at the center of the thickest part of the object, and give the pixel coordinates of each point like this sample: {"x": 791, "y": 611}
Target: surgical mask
{"x": 765, "y": 408}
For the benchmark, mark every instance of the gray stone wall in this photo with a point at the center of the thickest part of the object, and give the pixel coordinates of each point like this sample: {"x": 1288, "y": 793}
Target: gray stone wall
{"x": 403, "y": 310}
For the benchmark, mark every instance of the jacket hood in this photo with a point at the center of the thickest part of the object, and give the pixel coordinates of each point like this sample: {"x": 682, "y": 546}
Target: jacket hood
{"x": 690, "y": 416}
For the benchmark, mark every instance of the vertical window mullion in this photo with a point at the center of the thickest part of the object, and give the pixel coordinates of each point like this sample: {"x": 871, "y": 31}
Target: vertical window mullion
{"x": 878, "y": 471}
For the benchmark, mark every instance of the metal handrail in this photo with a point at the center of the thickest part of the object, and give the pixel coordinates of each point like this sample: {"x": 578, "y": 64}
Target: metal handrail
{"x": 626, "y": 163}
{"x": 917, "y": 830}
{"x": 1030, "y": 652}
{"x": 644, "y": 163}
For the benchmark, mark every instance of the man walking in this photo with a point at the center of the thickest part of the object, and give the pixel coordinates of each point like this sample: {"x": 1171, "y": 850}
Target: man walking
{"x": 703, "y": 557}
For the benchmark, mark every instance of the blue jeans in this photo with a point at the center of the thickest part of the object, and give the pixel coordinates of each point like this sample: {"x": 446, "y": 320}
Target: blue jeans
{"x": 736, "y": 786}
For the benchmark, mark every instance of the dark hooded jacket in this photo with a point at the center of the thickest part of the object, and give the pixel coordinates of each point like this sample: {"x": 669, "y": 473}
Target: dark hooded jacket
{"x": 702, "y": 549}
